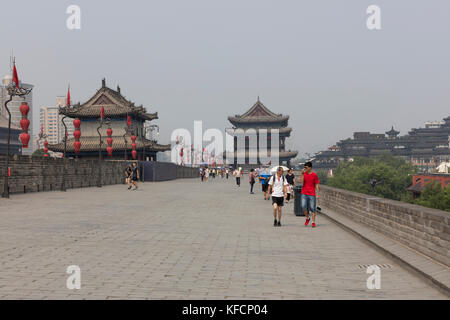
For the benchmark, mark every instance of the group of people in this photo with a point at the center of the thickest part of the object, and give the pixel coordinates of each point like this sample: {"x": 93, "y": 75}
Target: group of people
{"x": 206, "y": 172}
{"x": 132, "y": 176}
{"x": 281, "y": 187}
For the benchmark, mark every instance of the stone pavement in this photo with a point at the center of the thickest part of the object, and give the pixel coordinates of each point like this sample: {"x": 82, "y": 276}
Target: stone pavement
{"x": 183, "y": 239}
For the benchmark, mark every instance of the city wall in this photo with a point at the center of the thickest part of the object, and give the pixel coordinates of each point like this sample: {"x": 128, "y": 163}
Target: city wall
{"x": 33, "y": 174}
{"x": 423, "y": 229}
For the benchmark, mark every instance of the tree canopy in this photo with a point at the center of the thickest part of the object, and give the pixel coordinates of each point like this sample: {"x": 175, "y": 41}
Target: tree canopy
{"x": 384, "y": 176}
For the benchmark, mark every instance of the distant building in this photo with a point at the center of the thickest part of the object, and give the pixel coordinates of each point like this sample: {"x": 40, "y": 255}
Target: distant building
{"x": 15, "y": 146}
{"x": 421, "y": 180}
{"x": 13, "y": 107}
{"x": 424, "y": 147}
{"x": 117, "y": 109}
{"x": 259, "y": 120}
{"x": 51, "y": 122}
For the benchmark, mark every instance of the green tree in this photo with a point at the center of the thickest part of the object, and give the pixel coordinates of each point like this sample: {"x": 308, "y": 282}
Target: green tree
{"x": 38, "y": 153}
{"x": 393, "y": 175}
{"x": 434, "y": 196}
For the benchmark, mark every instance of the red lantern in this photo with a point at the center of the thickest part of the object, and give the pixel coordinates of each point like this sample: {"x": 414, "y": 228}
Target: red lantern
{"x": 24, "y": 138}
{"x": 24, "y": 108}
{"x": 109, "y": 132}
{"x": 77, "y": 123}
{"x": 46, "y": 143}
{"x": 77, "y": 135}
{"x": 109, "y": 150}
{"x": 128, "y": 121}
{"x": 77, "y": 146}
{"x": 24, "y": 123}
{"x": 102, "y": 113}
{"x": 133, "y": 138}
{"x": 181, "y": 152}
{"x": 133, "y": 146}
{"x": 134, "y": 154}
{"x": 109, "y": 141}
{"x": 45, "y": 150}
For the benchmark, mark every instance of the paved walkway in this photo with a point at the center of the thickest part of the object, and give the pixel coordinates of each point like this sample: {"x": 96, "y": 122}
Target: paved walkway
{"x": 183, "y": 240}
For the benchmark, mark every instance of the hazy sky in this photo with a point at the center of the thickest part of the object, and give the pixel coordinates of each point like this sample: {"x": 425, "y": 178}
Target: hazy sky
{"x": 205, "y": 60}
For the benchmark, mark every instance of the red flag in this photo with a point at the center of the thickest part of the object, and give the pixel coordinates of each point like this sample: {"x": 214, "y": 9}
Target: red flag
{"x": 15, "y": 77}
{"x": 68, "y": 97}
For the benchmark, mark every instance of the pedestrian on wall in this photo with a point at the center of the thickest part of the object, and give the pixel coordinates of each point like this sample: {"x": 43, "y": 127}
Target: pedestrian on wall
{"x": 135, "y": 175}
{"x": 278, "y": 185}
{"x": 252, "y": 180}
{"x": 310, "y": 189}
{"x": 128, "y": 172}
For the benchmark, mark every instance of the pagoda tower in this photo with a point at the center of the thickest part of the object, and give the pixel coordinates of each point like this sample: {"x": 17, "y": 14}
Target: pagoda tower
{"x": 258, "y": 121}
{"x": 119, "y": 111}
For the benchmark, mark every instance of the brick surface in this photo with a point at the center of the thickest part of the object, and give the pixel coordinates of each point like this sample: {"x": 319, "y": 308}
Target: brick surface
{"x": 183, "y": 239}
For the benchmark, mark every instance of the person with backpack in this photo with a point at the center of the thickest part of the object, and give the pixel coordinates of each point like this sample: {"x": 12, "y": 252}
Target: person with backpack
{"x": 128, "y": 172}
{"x": 278, "y": 185}
{"x": 310, "y": 188}
{"x": 290, "y": 177}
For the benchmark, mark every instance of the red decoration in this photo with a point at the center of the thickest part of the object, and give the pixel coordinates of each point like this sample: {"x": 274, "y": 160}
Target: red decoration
{"x": 109, "y": 141}
{"x": 15, "y": 77}
{"x": 24, "y": 138}
{"x": 46, "y": 143}
{"x": 68, "y": 97}
{"x": 102, "y": 113}
{"x": 181, "y": 152}
{"x": 77, "y": 123}
{"x": 77, "y": 135}
{"x": 24, "y": 123}
{"x": 133, "y": 146}
{"x": 128, "y": 121}
{"x": 24, "y": 108}
{"x": 77, "y": 146}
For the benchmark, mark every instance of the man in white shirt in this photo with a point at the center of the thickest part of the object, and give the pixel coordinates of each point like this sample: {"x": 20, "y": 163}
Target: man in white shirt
{"x": 278, "y": 185}
{"x": 237, "y": 174}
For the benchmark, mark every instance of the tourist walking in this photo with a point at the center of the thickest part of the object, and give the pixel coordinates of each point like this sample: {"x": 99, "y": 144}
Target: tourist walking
{"x": 237, "y": 174}
{"x": 310, "y": 189}
{"x": 135, "y": 175}
{"x": 264, "y": 177}
{"x": 227, "y": 172}
{"x": 278, "y": 185}
{"x": 252, "y": 180}
{"x": 206, "y": 174}
{"x": 290, "y": 177}
{"x": 128, "y": 172}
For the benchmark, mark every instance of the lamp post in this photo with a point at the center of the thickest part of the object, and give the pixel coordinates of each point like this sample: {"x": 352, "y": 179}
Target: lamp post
{"x": 101, "y": 122}
{"x": 69, "y": 111}
{"x": 14, "y": 90}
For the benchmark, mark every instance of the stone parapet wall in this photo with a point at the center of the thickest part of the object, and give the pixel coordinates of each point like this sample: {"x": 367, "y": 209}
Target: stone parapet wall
{"x": 423, "y": 229}
{"x": 34, "y": 174}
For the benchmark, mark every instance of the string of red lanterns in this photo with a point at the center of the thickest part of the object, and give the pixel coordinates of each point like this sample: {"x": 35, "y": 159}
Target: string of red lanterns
{"x": 133, "y": 147}
{"x": 77, "y": 135}
{"x": 45, "y": 148}
{"x": 109, "y": 141}
{"x": 25, "y": 124}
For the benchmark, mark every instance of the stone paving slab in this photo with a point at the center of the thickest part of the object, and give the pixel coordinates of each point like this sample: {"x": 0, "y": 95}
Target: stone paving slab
{"x": 430, "y": 270}
{"x": 183, "y": 239}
